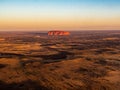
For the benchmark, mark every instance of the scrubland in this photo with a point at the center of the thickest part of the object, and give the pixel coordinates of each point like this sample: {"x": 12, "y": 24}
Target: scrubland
{"x": 85, "y": 60}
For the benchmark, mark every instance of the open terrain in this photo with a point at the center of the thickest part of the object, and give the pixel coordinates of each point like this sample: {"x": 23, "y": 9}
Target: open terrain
{"x": 85, "y": 60}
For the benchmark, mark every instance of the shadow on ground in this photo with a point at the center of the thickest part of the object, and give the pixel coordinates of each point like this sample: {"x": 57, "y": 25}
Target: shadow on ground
{"x": 26, "y": 85}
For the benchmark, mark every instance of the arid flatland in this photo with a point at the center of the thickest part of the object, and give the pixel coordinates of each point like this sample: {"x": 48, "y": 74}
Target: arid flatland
{"x": 85, "y": 60}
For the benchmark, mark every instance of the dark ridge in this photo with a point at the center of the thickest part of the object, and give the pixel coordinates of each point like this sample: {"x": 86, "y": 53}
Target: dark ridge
{"x": 10, "y": 55}
{"x": 47, "y": 44}
{"x": 102, "y": 50}
{"x": 60, "y": 55}
{"x": 2, "y": 66}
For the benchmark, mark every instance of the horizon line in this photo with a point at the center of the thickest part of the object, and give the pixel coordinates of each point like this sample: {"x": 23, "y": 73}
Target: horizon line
{"x": 52, "y": 30}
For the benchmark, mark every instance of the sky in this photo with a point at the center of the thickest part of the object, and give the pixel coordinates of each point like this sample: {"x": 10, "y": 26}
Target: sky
{"x": 59, "y": 15}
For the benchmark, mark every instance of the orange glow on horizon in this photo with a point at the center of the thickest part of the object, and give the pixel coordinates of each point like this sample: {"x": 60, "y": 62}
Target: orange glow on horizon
{"x": 59, "y": 23}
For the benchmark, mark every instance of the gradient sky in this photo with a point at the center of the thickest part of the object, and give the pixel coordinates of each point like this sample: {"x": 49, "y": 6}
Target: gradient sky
{"x": 59, "y": 14}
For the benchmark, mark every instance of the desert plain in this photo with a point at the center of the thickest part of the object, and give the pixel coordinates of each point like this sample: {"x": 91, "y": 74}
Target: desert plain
{"x": 84, "y": 60}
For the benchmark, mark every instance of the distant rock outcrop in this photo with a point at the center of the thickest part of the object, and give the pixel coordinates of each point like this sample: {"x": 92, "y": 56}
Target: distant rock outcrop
{"x": 58, "y": 33}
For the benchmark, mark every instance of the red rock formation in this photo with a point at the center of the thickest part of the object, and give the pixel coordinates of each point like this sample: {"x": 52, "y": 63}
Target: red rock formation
{"x": 59, "y": 33}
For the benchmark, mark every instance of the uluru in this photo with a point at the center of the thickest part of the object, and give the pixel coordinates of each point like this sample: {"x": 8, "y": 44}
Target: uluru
{"x": 58, "y": 33}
